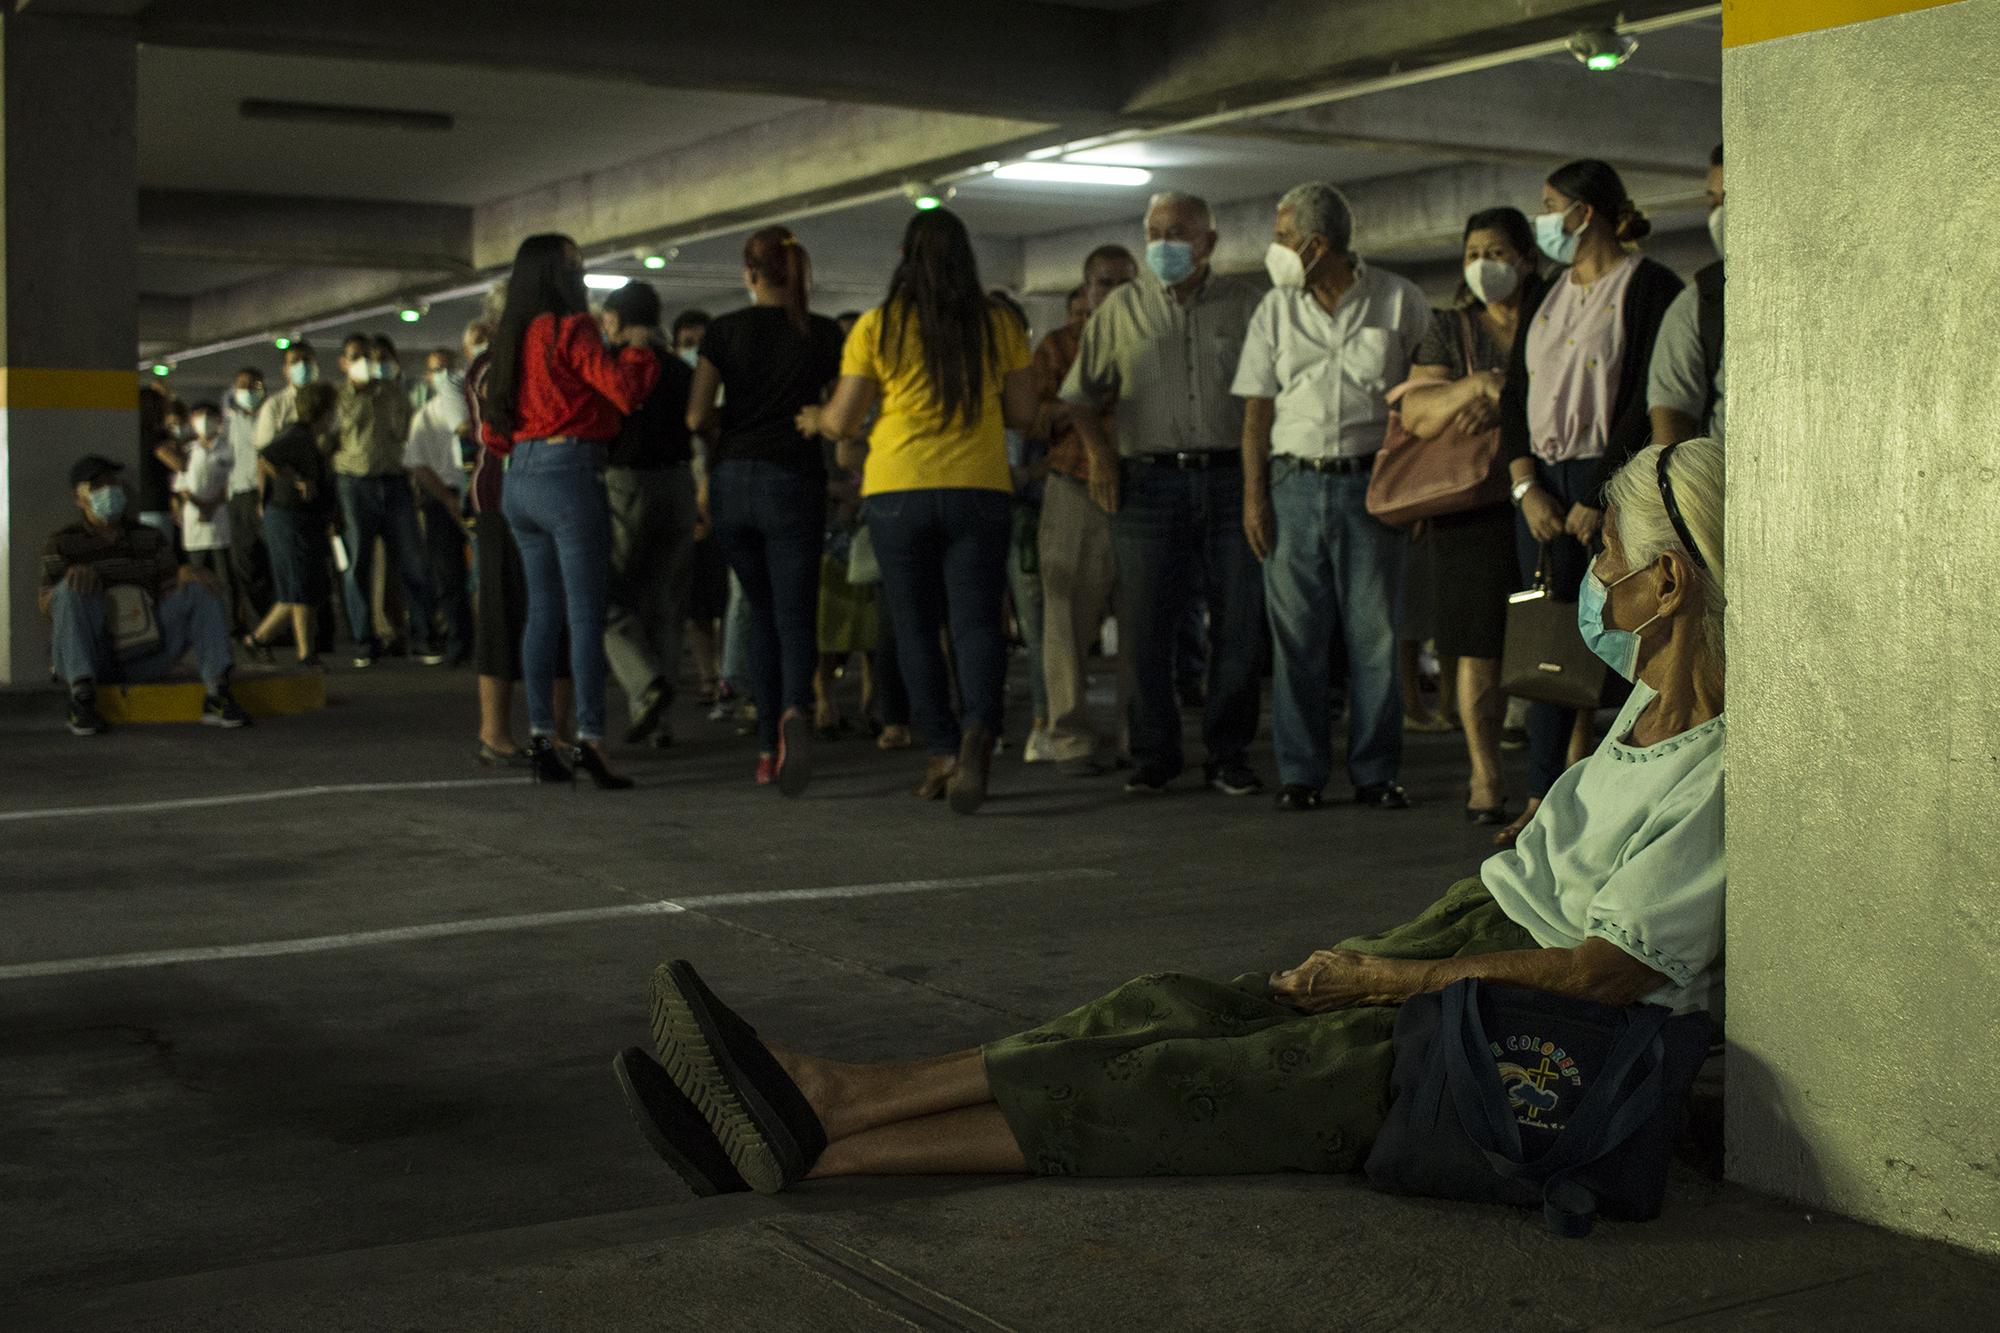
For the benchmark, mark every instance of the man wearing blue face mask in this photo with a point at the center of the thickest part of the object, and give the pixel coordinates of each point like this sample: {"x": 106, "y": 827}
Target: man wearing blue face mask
{"x": 1164, "y": 349}
{"x": 280, "y": 409}
{"x": 124, "y": 609}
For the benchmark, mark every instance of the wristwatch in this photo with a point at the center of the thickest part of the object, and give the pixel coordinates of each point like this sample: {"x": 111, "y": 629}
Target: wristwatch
{"x": 1521, "y": 489}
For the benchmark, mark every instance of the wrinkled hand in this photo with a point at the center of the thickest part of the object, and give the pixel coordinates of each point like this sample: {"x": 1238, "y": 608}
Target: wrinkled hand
{"x": 1335, "y": 979}
{"x": 200, "y": 578}
{"x": 1544, "y": 515}
{"x": 1583, "y": 524}
{"x": 1104, "y": 480}
{"x": 1260, "y": 525}
{"x": 1477, "y": 417}
{"x": 83, "y": 581}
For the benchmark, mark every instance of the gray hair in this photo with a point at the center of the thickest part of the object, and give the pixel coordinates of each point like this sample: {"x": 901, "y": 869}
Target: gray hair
{"x": 1193, "y": 203}
{"x": 1318, "y": 209}
{"x": 1646, "y": 533}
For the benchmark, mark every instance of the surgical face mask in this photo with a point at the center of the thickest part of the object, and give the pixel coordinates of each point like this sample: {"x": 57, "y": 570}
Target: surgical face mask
{"x": 358, "y": 371}
{"x": 1491, "y": 280}
{"x": 1172, "y": 262}
{"x": 107, "y": 504}
{"x": 1618, "y": 647}
{"x": 248, "y": 399}
{"x": 1282, "y": 262}
{"x": 1715, "y": 229}
{"x": 183, "y": 432}
{"x": 691, "y": 355}
{"x": 201, "y": 427}
{"x": 440, "y": 381}
{"x": 1556, "y": 243}
{"x": 301, "y": 373}
{"x": 385, "y": 370}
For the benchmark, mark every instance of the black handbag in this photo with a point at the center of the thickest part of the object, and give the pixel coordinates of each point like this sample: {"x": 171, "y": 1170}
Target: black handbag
{"x": 1545, "y": 659}
{"x": 1507, "y": 1095}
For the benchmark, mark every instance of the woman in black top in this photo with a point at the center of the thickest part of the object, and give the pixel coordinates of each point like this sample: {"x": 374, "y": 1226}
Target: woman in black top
{"x": 1559, "y": 471}
{"x": 1473, "y": 562}
{"x": 297, "y": 498}
{"x": 766, "y": 491}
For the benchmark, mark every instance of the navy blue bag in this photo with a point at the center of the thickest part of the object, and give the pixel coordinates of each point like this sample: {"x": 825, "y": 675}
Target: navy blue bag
{"x": 1507, "y": 1095}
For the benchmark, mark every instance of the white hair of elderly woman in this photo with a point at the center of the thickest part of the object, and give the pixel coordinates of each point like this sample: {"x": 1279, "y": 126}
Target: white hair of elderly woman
{"x": 1319, "y": 209}
{"x": 1645, "y": 532}
{"x": 1192, "y": 203}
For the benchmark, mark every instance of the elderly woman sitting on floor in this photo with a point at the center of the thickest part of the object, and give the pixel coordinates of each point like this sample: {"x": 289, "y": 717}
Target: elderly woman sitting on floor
{"x": 1614, "y": 893}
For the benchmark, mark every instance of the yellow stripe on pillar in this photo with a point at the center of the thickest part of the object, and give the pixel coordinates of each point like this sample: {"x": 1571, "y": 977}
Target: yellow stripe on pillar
{"x": 26, "y": 388}
{"x": 1748, "y": 21}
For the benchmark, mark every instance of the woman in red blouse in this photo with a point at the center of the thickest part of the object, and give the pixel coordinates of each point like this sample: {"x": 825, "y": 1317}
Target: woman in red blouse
{"x": 555, "y": 397}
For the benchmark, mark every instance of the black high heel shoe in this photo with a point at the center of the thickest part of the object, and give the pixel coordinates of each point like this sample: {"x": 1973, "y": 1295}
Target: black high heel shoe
{"x": 1494, "y": 814}
{"x": 543, "y": 763}
{"x": 586, "y": 758}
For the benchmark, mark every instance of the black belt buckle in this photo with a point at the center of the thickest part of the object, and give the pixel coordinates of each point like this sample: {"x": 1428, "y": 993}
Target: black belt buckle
{"x": 1338, "y": 467}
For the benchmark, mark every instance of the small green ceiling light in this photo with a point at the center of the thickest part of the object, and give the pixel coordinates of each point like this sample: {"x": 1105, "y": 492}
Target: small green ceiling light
{"x": 925, "y": 196}
{"x": 162, "y": 369}
{"x": 409, "y": 314}
{"x": 1602, "y": 50}
{"x": 281, "y": 342}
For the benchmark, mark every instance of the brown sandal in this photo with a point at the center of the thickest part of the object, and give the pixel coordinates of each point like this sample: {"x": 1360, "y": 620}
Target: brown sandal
{"x": 937, "y": 778}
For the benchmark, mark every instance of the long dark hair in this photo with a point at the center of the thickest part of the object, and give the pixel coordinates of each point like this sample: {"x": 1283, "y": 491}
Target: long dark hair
{"x": 776, "y": 256}
{"x": 1520, "y": 233}
{"x": 1598, "y": 184}
{"x": 545, "y": 281}
{"x": 937, "y": 286}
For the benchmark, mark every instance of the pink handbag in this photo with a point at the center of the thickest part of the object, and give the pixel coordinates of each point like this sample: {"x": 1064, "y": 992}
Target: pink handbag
{"x": 1418, "y": 479}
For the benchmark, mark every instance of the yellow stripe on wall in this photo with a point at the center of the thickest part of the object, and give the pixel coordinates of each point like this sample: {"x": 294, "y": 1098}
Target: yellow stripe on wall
{"x": 25, "y": 388}
{"x": 1747, "y": 21}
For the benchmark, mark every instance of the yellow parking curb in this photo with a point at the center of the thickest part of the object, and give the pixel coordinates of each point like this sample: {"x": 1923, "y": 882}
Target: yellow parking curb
{"x": 277, "y": 695}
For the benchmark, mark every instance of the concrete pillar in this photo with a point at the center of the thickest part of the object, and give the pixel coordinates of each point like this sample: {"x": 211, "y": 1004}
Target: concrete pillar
{"x": 1863, "y": 573}
{"x": 68, "y": 282}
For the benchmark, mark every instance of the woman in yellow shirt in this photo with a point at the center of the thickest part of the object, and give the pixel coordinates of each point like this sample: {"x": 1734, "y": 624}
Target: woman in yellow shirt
{"x": 948, "y": 369}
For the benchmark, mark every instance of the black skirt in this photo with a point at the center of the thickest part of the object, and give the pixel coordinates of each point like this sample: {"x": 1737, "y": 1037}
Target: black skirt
{"x": 1473, "y": 570}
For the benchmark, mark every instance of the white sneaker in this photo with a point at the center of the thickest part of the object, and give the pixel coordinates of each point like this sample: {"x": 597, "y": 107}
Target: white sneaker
{"x": 1038, "y": 750}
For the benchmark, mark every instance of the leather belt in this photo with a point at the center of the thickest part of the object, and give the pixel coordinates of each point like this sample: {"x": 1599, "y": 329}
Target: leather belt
{"x": 1333, "y": 467}
{"x": 1195, "y": 460}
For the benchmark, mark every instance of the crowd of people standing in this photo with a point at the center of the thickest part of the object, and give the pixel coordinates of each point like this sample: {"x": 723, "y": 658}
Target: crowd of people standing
{"x": 782, "y": 491}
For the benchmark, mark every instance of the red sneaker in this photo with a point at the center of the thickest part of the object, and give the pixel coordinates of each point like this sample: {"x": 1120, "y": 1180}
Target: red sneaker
{"x": 767, "y": 769}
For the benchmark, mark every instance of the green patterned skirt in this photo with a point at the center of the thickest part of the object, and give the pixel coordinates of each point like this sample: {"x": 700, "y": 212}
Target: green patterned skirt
{"x": 1179, "y": 1076}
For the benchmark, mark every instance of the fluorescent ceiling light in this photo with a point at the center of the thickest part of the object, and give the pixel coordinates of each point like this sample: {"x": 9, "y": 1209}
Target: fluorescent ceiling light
{"x": 604, "y": 282}
{"x": 1073, "y": 173}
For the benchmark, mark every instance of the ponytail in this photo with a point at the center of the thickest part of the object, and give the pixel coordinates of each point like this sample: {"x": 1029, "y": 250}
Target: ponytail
{"x": 1598, "y": 184}
{"x": 775, "y": 255}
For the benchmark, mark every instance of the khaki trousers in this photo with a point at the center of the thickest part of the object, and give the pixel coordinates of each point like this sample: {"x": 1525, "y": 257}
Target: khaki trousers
{"x": 1079, "y": 582}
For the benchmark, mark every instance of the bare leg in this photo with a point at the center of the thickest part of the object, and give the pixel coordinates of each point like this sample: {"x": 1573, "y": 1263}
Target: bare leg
{"x": 496, "y": 704}
{"x": 1479, "y": 708}
{"x": 565, "y": 705}
{"x": 852, "y": 1099}
{"x": 302, "y": 629}
{"x": 973, "y": 1140}
{"x": 826, "y": 710}
{"x": 1448, "y": 701}
{"x": 279, "y": 616}
{"x": 1507, "y": 837}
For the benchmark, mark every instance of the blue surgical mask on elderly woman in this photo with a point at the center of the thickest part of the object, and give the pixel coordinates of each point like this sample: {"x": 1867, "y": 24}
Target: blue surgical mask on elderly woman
{"x": 1618, "y": 647}
{"x": 1172, "y": 262}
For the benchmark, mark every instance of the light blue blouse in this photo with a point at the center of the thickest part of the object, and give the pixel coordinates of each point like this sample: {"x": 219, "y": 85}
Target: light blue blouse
{"x": 1627, "y": 847}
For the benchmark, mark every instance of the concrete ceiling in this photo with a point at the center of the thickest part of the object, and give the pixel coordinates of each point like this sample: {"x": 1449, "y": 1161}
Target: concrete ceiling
{"x": 258, "y": 226}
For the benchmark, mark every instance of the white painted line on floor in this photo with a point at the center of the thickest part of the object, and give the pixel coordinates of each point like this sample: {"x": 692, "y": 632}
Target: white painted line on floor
{"x": 498, "y": 924}
{"x": 252, "y": 797}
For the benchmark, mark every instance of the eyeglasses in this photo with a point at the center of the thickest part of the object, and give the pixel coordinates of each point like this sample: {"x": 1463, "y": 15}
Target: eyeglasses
{"x": 1674, "y": 509}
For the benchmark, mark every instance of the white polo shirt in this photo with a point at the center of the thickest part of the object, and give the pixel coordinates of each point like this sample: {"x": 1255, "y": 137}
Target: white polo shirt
{"x": 1330, "y": 372}
{"x": 433, "y": 441}
{"x": 205, "y": 478}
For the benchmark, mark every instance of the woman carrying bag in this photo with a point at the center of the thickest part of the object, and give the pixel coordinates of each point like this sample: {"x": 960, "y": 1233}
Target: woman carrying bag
{"x": 1473, "y": 563}
{"x": 1573, "y": 409}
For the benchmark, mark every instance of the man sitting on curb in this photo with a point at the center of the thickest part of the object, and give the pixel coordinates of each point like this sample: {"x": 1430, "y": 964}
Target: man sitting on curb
{"x": 125, "y": 609}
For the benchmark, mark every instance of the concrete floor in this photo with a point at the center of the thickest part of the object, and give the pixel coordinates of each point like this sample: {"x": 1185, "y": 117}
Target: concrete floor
{"x": 421, "y": 1131}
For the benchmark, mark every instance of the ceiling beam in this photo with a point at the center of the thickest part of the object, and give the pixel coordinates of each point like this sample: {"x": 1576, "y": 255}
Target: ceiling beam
{"x": 165, "y": 319}
{"x": 1529, "y": 112}
{"x": 297, "y": 231}
{"x": 1198, "y": 57}
{"x": 976, "y": 56}
{"x": 1417, "y": 213}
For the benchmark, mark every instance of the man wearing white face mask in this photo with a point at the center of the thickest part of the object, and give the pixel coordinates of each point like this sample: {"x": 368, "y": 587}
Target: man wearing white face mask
{"x": 249, "y": 564}
{"x": 1684, "y": 394}
{"x": 1324, "y": 348}
{"x": 433, "y": 459}
{"x": 1163, "y": 349}
{"x": 375, "y": 501}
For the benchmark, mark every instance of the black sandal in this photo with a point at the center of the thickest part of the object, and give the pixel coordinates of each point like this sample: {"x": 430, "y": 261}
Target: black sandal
{"x": 762, "y": 1120}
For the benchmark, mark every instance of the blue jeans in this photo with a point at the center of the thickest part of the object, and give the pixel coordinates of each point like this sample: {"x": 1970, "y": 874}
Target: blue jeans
{"x": 382, "y": 507}
{"x": 553, "y": 497}
{"x": 191, "y": 620}
{"x": 1549, "y": 727}
{"x": 1173, "y": 528}
{"x": 1336, "y": 571}
{"x": 943, "y": 554}
{"x": 771, "y": 521}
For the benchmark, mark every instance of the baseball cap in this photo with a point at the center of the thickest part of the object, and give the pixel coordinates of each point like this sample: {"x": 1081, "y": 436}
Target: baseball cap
{"x": 90, "y": 467}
